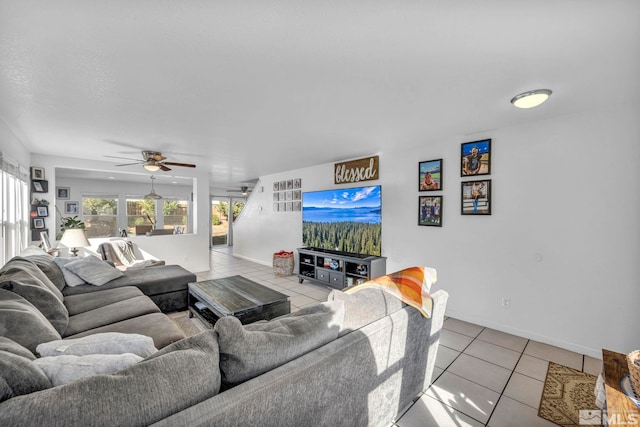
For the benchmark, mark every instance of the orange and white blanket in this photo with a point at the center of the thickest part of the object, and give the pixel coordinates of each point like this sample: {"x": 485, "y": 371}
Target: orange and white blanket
{"x": 411, "y": 286}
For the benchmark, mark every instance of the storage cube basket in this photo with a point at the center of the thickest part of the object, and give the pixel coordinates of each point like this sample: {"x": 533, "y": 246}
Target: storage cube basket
{"x": 283, "y": 263}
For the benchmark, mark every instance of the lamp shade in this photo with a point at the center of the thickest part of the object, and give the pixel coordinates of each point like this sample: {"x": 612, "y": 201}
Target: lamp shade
{"x": 74, "y": 238}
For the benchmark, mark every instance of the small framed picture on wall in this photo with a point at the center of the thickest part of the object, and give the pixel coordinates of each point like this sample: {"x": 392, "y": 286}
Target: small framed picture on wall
{"x": 430, "y": 175}
{"x": 62, "y": 193}
{"x": 476, "y": 197}
{"x": 475, "y": 158}
{"x": 71, "y": 208}
{"x": 430, "y": 210}
{"x": 37, "y": 173}
{"x": 42, "y": 211}
{"x": 40, "y": 186}
{"x": 38, "y": 223}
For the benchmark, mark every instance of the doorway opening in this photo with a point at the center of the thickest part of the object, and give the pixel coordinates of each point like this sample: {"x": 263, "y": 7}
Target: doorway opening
{"x": 223, "y": 208}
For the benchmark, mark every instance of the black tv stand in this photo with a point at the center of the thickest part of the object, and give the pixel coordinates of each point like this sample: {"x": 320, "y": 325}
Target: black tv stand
{"x": 338, "y": 269}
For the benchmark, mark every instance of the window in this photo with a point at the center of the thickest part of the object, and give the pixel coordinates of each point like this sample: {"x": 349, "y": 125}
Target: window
{"x": 141, "y": 213}
{"x": 175, "y": 214}
{"x": 100, "y": 215}
{"x": 14, "y": 201}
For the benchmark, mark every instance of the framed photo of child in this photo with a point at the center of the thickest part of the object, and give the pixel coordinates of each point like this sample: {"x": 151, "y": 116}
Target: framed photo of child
{"x": 430, "y": 175}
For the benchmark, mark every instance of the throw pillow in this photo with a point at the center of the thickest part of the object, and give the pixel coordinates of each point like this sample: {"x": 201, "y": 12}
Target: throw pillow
{"x": 21, "y": 322}
{"x": 37, "y": 294}
{"x": 47, "y": 265}
{"x": 70, "y": 278}
{"x": 19, "y": 375}
{"x": 94, "y": 270}
{"x": 102, "y": 343}
{"x": 251, "y": 350}
{"x": 66, "y": 369}
{"x": 18, "y": 264}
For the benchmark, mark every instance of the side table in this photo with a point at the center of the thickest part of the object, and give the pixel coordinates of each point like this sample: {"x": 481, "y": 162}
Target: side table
{"x": 620, "y": 409}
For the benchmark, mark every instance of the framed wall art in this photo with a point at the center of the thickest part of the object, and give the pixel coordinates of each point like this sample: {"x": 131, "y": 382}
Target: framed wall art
{"x": 476, "y": 197}
{"x": 430, "y": 175}
{"x": 40, "y": 186}
{"x": 42, "y": 210}
{"x": 71, "y": 208}
{"x": 475, "y": 158}
{"x": 62, "y": 193}
{"x": 430, "y": 210}
{"x": 38, "y": 223}
{"x": 37, "y": 173}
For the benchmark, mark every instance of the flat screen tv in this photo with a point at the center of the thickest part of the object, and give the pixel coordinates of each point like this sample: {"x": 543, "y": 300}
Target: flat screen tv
{"x": 345, "y": 219}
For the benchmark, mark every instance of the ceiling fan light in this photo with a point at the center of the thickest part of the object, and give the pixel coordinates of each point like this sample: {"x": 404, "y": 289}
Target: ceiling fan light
{"x": 531, "y": 99}
{"x": 151, "y": 167}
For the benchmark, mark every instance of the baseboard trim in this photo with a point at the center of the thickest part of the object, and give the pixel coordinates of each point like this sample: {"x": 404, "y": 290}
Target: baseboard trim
{"x": 567, "y": 345}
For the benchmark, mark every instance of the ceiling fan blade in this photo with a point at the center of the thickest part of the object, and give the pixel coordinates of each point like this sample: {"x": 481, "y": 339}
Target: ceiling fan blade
{"x": 117, "y": 157}
{"x": 164, "y": 168}
{"x": 129, "y": 164}
{"x": 186, "y": 165}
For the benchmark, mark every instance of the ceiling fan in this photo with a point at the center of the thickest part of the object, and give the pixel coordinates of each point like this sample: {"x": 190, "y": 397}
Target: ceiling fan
{"x": 153, "y": 161}
{"x": 244, "y": 190}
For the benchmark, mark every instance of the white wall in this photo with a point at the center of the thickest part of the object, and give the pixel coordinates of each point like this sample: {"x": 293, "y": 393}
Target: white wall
{"x": 563, "y": 242}
{"x": 11, "y": 146}
{"x": 189, "y": 250}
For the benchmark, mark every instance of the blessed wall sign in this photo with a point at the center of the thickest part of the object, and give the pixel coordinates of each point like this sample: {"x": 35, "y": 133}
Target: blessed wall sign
{"x": 357, "y": 170}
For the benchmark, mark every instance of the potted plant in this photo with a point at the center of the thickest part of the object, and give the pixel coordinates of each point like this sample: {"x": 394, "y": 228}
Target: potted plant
{"x": 68, "y": 222}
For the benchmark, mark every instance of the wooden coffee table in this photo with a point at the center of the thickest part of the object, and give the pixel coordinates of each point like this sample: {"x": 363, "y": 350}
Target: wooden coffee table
{"x": 235, "y": 296}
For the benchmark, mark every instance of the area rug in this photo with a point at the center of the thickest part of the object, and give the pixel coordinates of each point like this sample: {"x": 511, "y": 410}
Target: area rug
{"x": 567, "y": 392}
{"x": 187, "y": 324}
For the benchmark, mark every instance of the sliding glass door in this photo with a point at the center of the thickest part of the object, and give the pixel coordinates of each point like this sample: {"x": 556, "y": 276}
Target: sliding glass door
{"x": 223, "y": 208}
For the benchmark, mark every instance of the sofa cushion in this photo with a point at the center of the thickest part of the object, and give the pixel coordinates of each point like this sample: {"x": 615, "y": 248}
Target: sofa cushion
{"x": 93, "y": 270}
{"x": 23, "y": 323}
{"x": 70, "y": 278}
{"x": 112, "y": 313}
{"x": 250, "y": 350}
{"x": 364, "y": 307}
{"x": 105, "y": 343}
{"x": 159, "y": 386}
{"x": 158, "y": 326}
{"x": 47, "y": 265}
{"x": 43, "y": 299}
{"x": 69, "y": 368}
{"x": 9, "y": 345}
{"x": 84, "y": 302}
{"x": 151, "y": 281}
{"x": 19, "y": 375}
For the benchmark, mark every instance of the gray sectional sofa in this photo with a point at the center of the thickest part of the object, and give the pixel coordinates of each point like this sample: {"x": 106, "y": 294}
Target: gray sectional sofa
{"x": 358, "y": 359}
{"x": 36, "y": 305}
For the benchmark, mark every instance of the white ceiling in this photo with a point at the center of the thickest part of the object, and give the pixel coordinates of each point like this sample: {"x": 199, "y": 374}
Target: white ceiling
{"x": 248, "y": 88}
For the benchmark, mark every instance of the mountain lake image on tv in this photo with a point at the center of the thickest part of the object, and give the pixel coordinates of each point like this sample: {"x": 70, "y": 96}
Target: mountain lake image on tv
{"x": 346, "y": 220}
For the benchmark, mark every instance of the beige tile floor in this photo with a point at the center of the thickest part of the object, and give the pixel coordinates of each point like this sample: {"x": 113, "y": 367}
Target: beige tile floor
{"x": 483, "y": 377}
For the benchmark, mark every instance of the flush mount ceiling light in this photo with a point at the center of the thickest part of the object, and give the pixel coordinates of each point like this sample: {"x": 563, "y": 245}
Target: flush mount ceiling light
{"x": 531, "y": 99}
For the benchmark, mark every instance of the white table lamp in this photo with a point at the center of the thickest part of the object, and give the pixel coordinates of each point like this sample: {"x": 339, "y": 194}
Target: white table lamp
{"x": 74, "y": 238}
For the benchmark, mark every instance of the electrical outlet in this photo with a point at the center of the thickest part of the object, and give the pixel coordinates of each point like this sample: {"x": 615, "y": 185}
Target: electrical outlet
{"x": 506, "y": 303}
